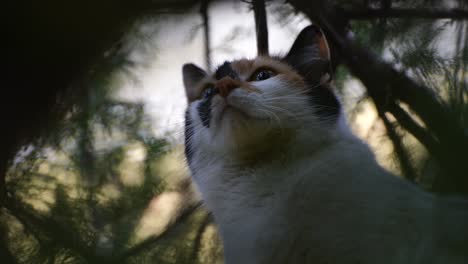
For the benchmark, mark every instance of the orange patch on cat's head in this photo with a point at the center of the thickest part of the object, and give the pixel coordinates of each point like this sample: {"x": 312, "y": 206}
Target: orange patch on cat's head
{"x": 243, "y": 67}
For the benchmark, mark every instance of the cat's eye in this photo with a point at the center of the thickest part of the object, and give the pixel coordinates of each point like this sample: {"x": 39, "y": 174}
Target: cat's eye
{"x": 263, "y": 75}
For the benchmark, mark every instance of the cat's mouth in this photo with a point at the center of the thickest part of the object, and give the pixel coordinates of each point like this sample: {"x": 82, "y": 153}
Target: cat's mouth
{"x": 239, "y": 113}
{"x": 226, "y": 112}
{"x": 230, "y": 109}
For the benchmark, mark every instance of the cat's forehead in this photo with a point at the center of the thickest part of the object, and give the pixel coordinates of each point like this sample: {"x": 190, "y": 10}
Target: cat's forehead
{"x": 243, "y": 68}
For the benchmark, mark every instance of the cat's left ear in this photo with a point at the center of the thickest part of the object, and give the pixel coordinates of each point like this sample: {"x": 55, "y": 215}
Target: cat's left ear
{"x": 310, "y": 55}
{"x": 192, "y": 76}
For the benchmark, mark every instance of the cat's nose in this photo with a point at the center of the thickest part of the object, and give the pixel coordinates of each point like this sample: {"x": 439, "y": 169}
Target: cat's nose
{"x": 225, "y": 85}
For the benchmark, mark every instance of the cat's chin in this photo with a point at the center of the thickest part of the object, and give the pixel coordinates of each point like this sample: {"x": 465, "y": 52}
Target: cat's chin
{"x": 236, "y": 109}
{"x": 250, "y": 140}
{"x": 233, "y": 126}
{"x": 229, "y": 114}
{"x": 234, "y": 118}
{"x": 237, "y": 129}
{"x": 230, "y": 119}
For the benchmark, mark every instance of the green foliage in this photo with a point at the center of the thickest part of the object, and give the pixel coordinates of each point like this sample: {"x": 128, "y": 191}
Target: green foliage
{"x": 79, "y": 221}
{"x": 430, "y": 51}
{"x": 80, "y": 194}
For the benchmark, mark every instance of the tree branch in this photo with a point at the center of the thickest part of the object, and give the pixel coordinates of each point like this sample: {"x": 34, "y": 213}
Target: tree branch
{"x": 402, "y": 155}
{"x": 385, "y": 84}
{"x": 154, "y": 239}
{"x": 427, "y": 13}
{"x": 5, "y": 254}
{"x": 52, "y": 229}
{"x": 198, "y": 238}
{"x": 206, "y": 31}
{"x": 382, "y": 80}
{"x": 419, "y": 132}
{"x": 261, "y": 27}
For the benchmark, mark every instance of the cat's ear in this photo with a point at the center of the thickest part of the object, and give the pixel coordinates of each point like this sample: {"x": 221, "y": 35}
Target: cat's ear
{"x": 192, "y": 76}
{"x": 310, "y": 54}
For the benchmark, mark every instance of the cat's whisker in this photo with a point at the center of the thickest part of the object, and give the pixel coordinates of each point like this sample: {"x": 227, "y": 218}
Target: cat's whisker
{"x": 284, "y": 99}
{"x": 321, "y": 107}
{"x": 270, "y": 115}
{"x": 282, "y": 110}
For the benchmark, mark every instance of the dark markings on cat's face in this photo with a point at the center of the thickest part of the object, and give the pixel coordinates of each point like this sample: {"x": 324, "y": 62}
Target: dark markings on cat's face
{"x": 225, "y": 70}
{"x": 204, "y": 108}
{"x": 188, "y": 133}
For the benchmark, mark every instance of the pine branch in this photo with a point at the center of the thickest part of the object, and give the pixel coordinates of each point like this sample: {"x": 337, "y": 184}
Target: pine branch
{"x": 261, "y": 27}
{"x": 5, "y": 253}
{"x": 419, "y": 132}
{"x": 385, "y": 84}
{"x": 386, "y": 5}
{"x": 198, "y": 238}
{"x": 3, "y": 190}
{"x": 428, "y": 13}
{"x": 52, "y": 229}
{"x": 184, "y": 216}
{"x": 400, "y": 151}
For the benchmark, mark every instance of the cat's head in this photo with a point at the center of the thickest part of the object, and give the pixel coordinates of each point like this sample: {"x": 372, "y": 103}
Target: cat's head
{"x": 249, "y": 105}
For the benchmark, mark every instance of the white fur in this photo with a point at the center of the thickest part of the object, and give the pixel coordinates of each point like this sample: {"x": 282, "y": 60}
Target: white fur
{"x": 321, "y": 199}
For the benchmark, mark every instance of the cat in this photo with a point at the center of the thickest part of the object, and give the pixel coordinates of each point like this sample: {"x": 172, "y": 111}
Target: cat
{"x": 269, "y": 149}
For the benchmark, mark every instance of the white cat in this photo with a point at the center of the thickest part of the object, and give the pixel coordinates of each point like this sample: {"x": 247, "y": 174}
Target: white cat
{"x": 286, "y": 180}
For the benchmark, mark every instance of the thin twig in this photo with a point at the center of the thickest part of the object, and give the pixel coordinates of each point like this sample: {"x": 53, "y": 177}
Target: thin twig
{"x": 206, "y": 31}
{"x": 52, "y": 229}
{"x": 427, "y": 13}
{"x": 402, "y": 155}
{"x": 419, "y": 132}
{"x": 261, "y": 27}
{"x": 198, "y": 238}
{"x": 154, "y": 239}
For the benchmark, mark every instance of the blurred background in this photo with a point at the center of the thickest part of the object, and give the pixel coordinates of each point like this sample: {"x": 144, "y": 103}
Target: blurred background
{"x": 92, "y": 168}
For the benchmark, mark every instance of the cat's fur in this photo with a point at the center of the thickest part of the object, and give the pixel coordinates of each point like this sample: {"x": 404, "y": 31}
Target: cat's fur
{"x": 286, "y": 180}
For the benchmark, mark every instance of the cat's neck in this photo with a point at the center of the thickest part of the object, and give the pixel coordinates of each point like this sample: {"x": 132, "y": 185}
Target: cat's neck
{"x": 257, "y": 205}
{"x": 238, "y": 191}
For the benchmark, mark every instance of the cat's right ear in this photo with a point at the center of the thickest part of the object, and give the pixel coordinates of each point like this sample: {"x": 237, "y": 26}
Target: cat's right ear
{"x": 310, "y": 54}
{"x": 192, "y": 76}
